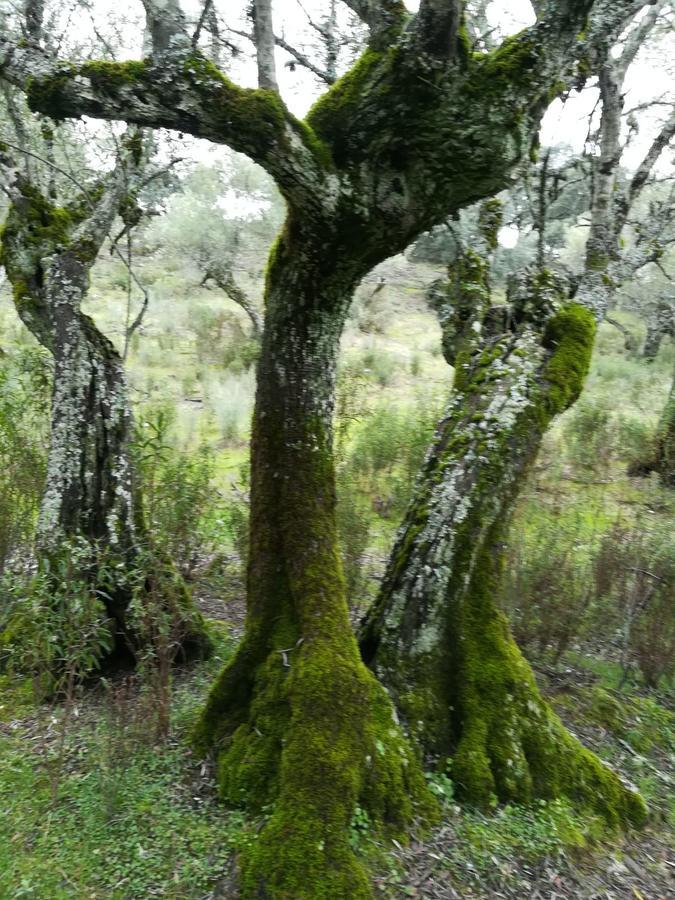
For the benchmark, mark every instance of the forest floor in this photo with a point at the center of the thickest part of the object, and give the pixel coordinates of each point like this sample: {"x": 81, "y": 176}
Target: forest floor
{"x": 96, "y": 806}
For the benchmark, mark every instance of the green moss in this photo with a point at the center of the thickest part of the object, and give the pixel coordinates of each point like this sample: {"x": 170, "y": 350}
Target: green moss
{"x": 334, "y": 114}
{"x": 46, "y": 95}
{"x": 33, "y": 230}
{"x": 570, "y": 334}
{"x": 514, "y": 64}
{"x": 511, "y": 744}
{"x": 490, "y": 218}
{"x": 110, "y": 75}
{"x": 257, "y": 114}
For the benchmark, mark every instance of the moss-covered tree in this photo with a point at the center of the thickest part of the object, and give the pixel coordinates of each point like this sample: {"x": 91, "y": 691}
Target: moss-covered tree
{"x": 435, "y": 635}
{"x": 421, "y": 126}
{"x": 90, "y": 494}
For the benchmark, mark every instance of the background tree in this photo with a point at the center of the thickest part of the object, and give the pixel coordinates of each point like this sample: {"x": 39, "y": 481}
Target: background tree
{"x": 51, "y": 240}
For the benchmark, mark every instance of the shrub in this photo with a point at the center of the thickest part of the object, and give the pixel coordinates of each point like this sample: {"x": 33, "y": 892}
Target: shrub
{"x": 53, "y": 624}
{"x": 546, "y": 587}
{"x": 589, "y": 435}
{"x": 183, "y": 511}
{"x": 25, "y": 391}
{"x": 635, "y": 572}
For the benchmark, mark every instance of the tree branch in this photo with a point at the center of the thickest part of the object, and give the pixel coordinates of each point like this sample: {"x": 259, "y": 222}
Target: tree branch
{"x": 385, "y": 18}
{"x": 299, "y": 57}
{"x": 263, "y": 30}
{"x": 304, "y": 61}
{"x": 637, "y": 36}
{"x": 436, "y": 28}
{"x": 184, "y": 92}
{"x": 657, "y": 147}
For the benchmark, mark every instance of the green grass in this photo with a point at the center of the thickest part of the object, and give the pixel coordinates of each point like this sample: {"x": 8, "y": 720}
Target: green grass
{"x": 132, "y": 819}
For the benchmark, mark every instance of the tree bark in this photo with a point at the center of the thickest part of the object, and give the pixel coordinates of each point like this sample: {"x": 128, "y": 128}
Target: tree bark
{"x": 297, "y": 717}
{"x": 436, "y": 636}
{"x": 89, "y": 494}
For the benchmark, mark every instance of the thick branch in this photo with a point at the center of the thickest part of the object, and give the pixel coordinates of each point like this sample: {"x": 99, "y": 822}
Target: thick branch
{"x": 186, "y": 93}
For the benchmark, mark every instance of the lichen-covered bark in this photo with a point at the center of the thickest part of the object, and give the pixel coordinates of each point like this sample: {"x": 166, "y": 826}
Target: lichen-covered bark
{"x": 297, "y": 718}
{"x": 435, "y": 635}
{"x": 89, "y": 493}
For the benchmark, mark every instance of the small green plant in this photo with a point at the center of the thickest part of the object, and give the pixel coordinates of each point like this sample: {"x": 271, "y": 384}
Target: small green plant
{"x": 359, "y": 827}
{"x": 441, "y": 786}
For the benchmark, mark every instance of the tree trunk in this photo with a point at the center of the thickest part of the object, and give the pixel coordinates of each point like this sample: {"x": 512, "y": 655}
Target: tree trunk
{"x": 665, "y": 441}
{"x": 89, "y": 493}
{"x": 436, "y": 636}
{"x": 297, "y": 717}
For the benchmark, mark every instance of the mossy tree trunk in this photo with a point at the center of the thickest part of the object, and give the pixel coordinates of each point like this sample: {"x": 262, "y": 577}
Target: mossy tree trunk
{"x": 297, "y": 718}
{"x": 664, "y": 456}
{"x": 90, "y": 494}
{"x": 436, "y": 636}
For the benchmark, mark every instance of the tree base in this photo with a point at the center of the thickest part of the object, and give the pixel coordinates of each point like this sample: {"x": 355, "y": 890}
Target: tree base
{"x": 510, "y": 745}
{"x": 86, "y": 615}
{"x": 312, "y": 732}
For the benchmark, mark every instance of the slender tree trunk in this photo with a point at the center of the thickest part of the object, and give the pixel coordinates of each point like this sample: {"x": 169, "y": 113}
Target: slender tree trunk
{"x": 88, "y": 489}
{"x": 665, "y": 441}
{"x": 296, "y": 716}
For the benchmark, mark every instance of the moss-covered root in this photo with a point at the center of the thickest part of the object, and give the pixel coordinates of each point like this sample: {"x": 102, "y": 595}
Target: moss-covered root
{"x": 511, "y": 744}
{"x": 320, "y": 739}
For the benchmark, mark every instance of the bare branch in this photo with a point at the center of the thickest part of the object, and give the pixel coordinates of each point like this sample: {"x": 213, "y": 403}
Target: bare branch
{"x": 263, "y": 30}
{"x": 300, "y": 58}
{"x": 223, "y": 277}
{"x": 637, "y": 36}
{"x": 660, "y": 142}
{"x": 304, "y": 61}
{"x": 206, "y": 9}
